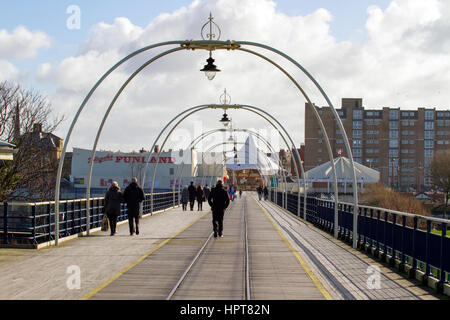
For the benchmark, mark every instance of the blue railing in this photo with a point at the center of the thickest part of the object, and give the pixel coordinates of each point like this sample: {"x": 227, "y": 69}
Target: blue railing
{"x": 34, "y": 223}
{"x": 421, "y": 242}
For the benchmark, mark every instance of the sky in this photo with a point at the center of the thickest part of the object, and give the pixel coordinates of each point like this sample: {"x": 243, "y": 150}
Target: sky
{"x": 391, "y": 53}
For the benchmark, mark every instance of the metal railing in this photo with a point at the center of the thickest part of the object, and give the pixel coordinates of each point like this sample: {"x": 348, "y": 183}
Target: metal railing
{"x": 421, "y": 242}
{"x": 34, "y": 223}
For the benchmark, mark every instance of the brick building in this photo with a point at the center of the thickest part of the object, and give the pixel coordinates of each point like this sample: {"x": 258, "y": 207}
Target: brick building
{"x": 399, "y": 143}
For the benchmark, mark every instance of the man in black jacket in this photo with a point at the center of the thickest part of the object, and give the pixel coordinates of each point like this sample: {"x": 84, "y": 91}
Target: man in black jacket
{"x": 192, "y": 195}
{"x": 133, "y": 195}
{"x": 218, "y": 200}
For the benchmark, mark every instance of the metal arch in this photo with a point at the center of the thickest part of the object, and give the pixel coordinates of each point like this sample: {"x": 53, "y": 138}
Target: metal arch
{"x": 205, "y": 134}
{"x": 270, "y": 147}
{"x": 100, "y": 129}
{"x": 77, "y": 115}
{"x": 340, "y": 125}
{"x": 324, "y": 132}
{"x": 207, "y": 45}
{"x": 214, "y": 106}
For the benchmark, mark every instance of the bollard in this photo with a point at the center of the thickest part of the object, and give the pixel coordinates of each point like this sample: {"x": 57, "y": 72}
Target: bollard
{"x": 5, "y": 222}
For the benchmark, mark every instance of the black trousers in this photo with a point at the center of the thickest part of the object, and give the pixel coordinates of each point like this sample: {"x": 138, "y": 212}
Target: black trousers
{"x": 191, "y": 202}
{"x": 132, "y": 221}
{"x": 112, "y": 223}
{"x": 184, "y": 204}
{"x": 217, "y": 222}
{"x": 200, "y": 205}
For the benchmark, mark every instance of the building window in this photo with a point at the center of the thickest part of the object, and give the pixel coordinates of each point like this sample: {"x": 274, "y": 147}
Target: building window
{"x": 429, "y": 144}
{"x": 405, "y": 123}
{"x": 319, "y": 150}
{"x": 339, "y": 141}
{"x": 319, "y": 141}
{"x": 429, "y": 114}
{"x": 429, "y": 134}
{"x": 393, "y": 124}
{"x": 393, "y": 153}
{"x": 357, "y": 133}
{"x": 319, "y": 160}
{"x": 357, "y": 114}
{"x": 429, "y": 125}
{"x": 393, "y": 143}
{"x": 393, "y": 134}
{"x": 428, "y": 153}
{"x": 357, "y": 152}
{"x": 357, "y": 125}
{"x": 393, "y": 114}
{"x": 357, "y": 143}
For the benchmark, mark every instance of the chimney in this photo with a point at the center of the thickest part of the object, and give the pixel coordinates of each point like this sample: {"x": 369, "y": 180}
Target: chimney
{"x": 17, "y": 123}
{"x": 37, "y": 127}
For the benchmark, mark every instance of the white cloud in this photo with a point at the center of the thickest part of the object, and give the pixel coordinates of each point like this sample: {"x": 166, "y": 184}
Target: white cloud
{"x": 22, "y": 43}
{"x": 8, "y": 71}
{"x": 404, "y": 63}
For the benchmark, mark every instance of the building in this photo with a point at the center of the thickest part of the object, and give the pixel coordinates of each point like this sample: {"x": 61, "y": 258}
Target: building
{"x": 175, "y": 168}
{"x": 6, "y": 151}
{"x": 399, "y": 143}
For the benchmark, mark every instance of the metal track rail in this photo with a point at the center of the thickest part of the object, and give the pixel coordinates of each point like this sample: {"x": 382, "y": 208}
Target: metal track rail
{"x": 246, "y": 294}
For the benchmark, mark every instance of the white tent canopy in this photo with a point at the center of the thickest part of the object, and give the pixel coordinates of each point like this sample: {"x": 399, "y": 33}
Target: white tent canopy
{"x": 343, "y": 172}
{"x": 250, "y": 156}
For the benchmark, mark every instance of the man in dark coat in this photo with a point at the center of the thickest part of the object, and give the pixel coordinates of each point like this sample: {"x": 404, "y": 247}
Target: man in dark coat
{"x": 266, "y": 193}
{"x": 192, "y": 195}
{"x": 133, "y": 196}
{"x": 113, "y": 199}
{"x": 218, "y": 200}
{"x": 207, "y": 191}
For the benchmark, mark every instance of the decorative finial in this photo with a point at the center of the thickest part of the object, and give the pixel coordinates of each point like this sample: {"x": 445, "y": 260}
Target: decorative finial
{"x": 211, "y": 35}
{"x": 225, "y": 98}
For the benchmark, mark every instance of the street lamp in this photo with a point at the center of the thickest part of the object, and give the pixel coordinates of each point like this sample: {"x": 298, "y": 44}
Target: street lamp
{"x": 225, "y": 120}
{"x": 210, "y": 69}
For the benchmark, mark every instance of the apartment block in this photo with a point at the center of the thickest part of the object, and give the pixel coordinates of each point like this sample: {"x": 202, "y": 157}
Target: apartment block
{"x": 399, "y": 143}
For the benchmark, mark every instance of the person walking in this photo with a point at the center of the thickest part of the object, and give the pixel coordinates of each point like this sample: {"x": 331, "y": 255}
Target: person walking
{"x": 133, "y": 196}
{"x": 260, "y": 191}
{"x": 113, "y": 199}
{"x": 206, "y": 191}
{"x": 192, "y": 194}
{"x": 218, "y": 200}
{"x": 240, "y": 193}
{"x": 200, "y": 198}
{"x": 266, "y": 193}
{"x": 184, "y": 197}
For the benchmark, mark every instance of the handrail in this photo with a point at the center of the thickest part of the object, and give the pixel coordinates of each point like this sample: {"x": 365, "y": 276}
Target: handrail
{"x": 407, "y": 214}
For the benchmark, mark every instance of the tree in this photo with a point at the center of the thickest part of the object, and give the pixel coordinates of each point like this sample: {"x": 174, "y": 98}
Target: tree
{"x": 32, "y": 173}
{"x": 440, "y": 175}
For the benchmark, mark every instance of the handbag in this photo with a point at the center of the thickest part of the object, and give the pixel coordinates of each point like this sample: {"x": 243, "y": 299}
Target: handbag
{"x": 105, "y": 223}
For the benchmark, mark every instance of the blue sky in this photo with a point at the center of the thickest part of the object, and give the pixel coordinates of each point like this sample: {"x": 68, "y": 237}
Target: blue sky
{"x": 49, "y": 16}
{"x": 394, "y": 54}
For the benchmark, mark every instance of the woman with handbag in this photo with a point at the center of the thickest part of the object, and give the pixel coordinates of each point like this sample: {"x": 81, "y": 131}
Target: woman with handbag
{"x": 113, "y": 199}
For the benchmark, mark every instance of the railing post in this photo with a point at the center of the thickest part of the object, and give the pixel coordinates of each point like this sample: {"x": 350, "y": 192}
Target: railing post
{"x": 385, "y": 251}
{"x": 427, "y": 245}
{"x": 377, "y": 250}
{"x": 371, "y": 230}
{"x": 49, "y": 223}
{"x": 394, "y": 251}
{"x": 5, "y": 222}
{"x": 33, "y": 223}
{"x": 403, "y": 256}
{"x": 414, "y": 262}
{"x": 442, "y": 271}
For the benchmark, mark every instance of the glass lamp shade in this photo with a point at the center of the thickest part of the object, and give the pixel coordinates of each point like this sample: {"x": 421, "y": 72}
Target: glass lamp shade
{"x": 225, "y": 121}
{"x": 210, "y": 69}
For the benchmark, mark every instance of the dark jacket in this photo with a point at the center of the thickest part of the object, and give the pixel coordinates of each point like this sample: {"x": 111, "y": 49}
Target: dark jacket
{"x": 207, "y": 191}
{"x": 218, "y": 199}
{"x": 266, "y": 191}
{"x": 133, "y": 195}
{"x": 185, "y": 195}
{"x": 192, "y": 193}
{"x": 200, "y": 194}
{"x": 113, "y": 198}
